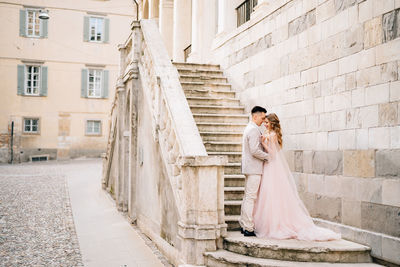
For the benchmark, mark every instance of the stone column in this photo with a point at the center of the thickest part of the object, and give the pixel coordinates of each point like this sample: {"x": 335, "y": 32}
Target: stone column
{"x": 166, "y": 23}
{"x": 261, "y": 8}
{"x": 226, "y": 16}
{"x": 203, "y": 30}
{"x": 182, "y": 28}
{"x": 154, "y": 8}
{"x": 119, "y": 183}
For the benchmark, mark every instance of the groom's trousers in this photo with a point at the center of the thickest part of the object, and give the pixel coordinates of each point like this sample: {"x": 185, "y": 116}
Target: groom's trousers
{"x": 250, "y": 194}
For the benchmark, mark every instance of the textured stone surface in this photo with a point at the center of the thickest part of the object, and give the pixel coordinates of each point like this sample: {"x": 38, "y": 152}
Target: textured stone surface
{"x": 302, "y": 23}
{"x": 351, "y": 212}
{"x": 391, "y": 192}
{"x": 328, "y": 162}
{"x": 341, "y": 5}
{"x": 37, "y": 227}
{"x": 359, "y": 163}
{"x": 323, "y": 207}
{"x": 391, "y": 25}
{"x": 388, "y": 114}
{"x": 380, "y": 218}
{"x": 372, "y": 32}
{"x": 388, "y": 163}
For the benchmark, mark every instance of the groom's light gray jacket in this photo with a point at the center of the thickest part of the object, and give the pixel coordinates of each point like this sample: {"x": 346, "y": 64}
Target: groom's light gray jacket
{"x": 253, "y": 154}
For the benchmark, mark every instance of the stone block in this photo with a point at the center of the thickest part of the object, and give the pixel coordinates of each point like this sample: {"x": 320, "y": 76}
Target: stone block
{"x": 369, "y": 190}
{"x": 373, "y": 32}
{"x": 388, "y": 52}
{"x": 302, "y": 23}
{"x": 389, "y": 71}
{"x": 318, "y": 105}
{"x": 369, "y": 76}
{"x": 350, "y": 186}
{"x": 347, "y": 139}
{"x": 341, "y": 5}
{"x": 394, "y": 92}
{"x": 388, "y": 162}
{"x": 352, "y": 116}
{"x": 309, "y": 76}
{"x": 298, "y": 161}
{"x": 328, "y": 162}
{"x": 358, "y": 97}
{"x": 388, "y": 114}
{"x": 395, "y": 137}
{"x": 348, "y": 64}
{"x": 333, "y": 141}
{"x": 312, "y": 123}
{"x": 353, "y": 41}
{"x": 359, "y": 163}
{"x": 339, "y": 120}
{"x": 379, "y": 138}
{"x": 325, "y": 122}
{"x": 368, "y": 116}
{"x": 391, "y": 26}
{"x": 289, "y": 155}
{"x": 327, "y": 87}
{"x": 339, "y": 101}
{"x": 315, "y": 184}
{"x": 377, "y": 94}
{"x": 391, "y": 192}
{"x": 362, "y": 138}
{"x": 380, "y": 218}
{"x": 350, "y": 83}
{"x": 308, "y": 161}
{"x": 328, "y": 70}
{"x": 382, "y": 7}
{"x": 332, "y": 186}
{"x": 321, "y": 141}
{"x": 351, "y": 212}
{"x": 325, "y": 11}
{"x": 366, "y": 58}
{"x": 390, "y": 250}
{"x": 327, "y": 208}
{"x": 339, "y": 84}
{"x": 314, "y": 34}
{"x": 365, "y": 11}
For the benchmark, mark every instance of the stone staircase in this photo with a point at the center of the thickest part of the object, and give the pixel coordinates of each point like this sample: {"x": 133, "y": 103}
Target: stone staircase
{"x": 221, "y": 120}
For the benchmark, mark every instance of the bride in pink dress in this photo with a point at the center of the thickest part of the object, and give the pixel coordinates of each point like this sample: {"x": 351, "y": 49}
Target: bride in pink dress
{"x": 279, "y": 212}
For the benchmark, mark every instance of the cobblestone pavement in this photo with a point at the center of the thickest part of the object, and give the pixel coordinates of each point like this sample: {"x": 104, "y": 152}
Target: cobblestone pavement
{"x": 36, "y": 224}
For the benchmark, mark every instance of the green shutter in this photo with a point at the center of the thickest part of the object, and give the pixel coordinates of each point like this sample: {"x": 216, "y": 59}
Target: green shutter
{"x": 104, "y": 87}
{"x": 45, "y": 23}
{"x": 106, "y": 30}
{"x": 43, "y": 84}
{"x": 84, "y": 83}
{"x": 86, "y": 29}
{"x": 22, "y": 22}
{"x": 21, "y": 80}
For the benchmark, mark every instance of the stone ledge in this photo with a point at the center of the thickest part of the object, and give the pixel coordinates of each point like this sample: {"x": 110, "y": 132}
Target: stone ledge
{"x": 202, "y": 232}
{"x": 203, "y": 161}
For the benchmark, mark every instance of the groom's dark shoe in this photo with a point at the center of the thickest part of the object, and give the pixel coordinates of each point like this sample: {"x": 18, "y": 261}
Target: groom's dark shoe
{"x": 247, "y": 233}
{"x": 241, "y": 230}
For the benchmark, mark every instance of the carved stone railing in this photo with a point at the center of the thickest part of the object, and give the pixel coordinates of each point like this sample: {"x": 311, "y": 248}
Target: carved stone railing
{"x": 196, "y": 179}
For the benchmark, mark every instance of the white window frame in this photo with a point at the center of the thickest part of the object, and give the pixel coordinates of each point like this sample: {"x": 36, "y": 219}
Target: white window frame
{"x": 92, "y": 132}
{"x": 98, "y": 29}
{"x": 30, "y": 131}
{"x": 36, "y": 13}
{"x": 97, "y": 87}
{"x": 27, "y": 77}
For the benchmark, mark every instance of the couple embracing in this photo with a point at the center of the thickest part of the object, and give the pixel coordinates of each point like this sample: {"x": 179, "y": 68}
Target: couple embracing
{"x": 271, "y": 206}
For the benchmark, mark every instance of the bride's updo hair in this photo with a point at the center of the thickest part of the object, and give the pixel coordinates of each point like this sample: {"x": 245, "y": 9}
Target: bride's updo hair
{"x": 275, "y": 126}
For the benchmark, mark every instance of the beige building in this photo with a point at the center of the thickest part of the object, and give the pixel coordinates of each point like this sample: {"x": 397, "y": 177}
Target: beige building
{"x": 329, "y": 69}
{"x": 58, "y": 75}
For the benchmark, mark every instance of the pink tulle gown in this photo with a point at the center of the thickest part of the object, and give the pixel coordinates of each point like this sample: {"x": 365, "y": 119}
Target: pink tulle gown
{"x": 279, "y": 213}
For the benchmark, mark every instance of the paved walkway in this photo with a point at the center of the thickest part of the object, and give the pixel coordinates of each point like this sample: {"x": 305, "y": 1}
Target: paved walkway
{"x": 40, "y": 191}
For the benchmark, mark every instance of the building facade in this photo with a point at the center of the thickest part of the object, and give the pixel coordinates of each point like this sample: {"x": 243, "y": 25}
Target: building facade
{"x": 330, "y": 70}
{"x": 57, "y": 76}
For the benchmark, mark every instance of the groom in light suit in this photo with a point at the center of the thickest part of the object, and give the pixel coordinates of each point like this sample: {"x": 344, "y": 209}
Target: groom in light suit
{"x": 253, "y": 157}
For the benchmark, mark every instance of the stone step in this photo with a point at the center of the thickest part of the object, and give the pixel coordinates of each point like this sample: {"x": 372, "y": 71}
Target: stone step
{"x": 202, "y": 78}
{"x": 200, "y": 71}
{"x": 223, "y": 258}
{"x": 207, "y": 101}
{"x": 209, "y": 86}
{"x": 214, "y": 146}
{"x": 233, "y": 157}
{"x": 336, "y": 251}
{"x": 207, "y": 109}
{"x": 233, "y": 168}
{"x": 228, "y": 118}
{"x": 220, "y": 127}
{"x": 233, "y": 222}
{"x": 234, "y": 180}
{"x": 196, "y": 66}
{"x": 208, "y": 92}
{"x": 232, "y": 207}
{"x": 222, "y": 136}
{"x": 234, "y": 193}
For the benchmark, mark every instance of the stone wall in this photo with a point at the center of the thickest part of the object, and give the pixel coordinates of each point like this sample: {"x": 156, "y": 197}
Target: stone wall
{"x": 330, "y": 70}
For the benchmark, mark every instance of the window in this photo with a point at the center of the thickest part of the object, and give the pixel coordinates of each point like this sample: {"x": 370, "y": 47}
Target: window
{"x": 31, "y": 125}
{"x": 32, "y": 80}
{"x": 93, "y": 127}
{"x": 244, "y": 10}
{"x": 94, "y": 83}
{"x": 96, "y": 29}
{"x": 30, "y": 24}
